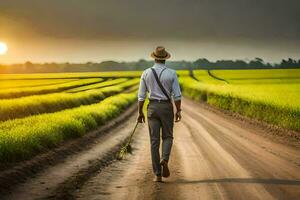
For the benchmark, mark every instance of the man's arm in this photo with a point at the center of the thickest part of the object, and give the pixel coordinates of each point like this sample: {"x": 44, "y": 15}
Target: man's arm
{"x": 177, "y": 98}
{"x": 178, "y": 110}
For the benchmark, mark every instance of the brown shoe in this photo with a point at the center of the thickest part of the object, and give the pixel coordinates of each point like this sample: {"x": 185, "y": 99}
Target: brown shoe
{"x": 157, "y": 179}
{"x": 165, "y": 169}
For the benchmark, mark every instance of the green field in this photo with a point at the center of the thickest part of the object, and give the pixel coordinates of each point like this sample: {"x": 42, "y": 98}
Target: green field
{"x": 38, "y": 112}
{"x": 269, "y": 95}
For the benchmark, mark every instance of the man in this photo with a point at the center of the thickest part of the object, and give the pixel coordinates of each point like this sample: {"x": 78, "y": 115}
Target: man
{"x": 162, "y": 85}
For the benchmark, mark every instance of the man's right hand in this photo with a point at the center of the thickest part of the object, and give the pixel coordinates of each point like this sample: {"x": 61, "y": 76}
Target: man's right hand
{"x": 141, "y": 118}
{"x": 178, "y": 116}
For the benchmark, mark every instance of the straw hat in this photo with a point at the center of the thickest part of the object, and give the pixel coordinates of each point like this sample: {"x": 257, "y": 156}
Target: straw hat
{"x": 160, "y": 53}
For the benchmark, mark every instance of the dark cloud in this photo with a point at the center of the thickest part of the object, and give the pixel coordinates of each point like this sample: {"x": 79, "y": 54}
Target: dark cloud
{"x": 96, "y": 30}
{"x": 174, "y": 19}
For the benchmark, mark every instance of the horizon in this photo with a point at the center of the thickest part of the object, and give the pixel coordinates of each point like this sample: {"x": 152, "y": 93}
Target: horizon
{"x": 147, "y": 60}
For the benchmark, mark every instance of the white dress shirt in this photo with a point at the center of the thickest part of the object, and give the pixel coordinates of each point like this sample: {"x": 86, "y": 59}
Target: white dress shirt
{"x": 168, "y": 79}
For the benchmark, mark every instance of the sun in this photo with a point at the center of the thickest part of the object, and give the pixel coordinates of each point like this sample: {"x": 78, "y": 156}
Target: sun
{"x": 3, "y": 48}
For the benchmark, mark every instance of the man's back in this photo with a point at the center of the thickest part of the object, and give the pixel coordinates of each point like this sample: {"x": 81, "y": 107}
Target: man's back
{"x": 168, "y": 79}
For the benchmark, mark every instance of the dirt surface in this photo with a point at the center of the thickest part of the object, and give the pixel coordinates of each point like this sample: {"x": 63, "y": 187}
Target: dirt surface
{"x": 213, "y": 157}
{"x": 62, "y": 168}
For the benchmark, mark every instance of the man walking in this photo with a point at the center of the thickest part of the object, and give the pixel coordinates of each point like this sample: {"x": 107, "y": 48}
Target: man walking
{"x": 162, "y": 85}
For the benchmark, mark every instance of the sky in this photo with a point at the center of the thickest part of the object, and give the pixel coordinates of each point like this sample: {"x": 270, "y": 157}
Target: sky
{"x": 128, "y": 30}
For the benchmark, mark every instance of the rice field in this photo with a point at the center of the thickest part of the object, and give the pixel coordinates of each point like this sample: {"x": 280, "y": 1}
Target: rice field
{"x": 50, "y": 108}
{"x": 269, "y": 95}
{"x": 38, "y": 112}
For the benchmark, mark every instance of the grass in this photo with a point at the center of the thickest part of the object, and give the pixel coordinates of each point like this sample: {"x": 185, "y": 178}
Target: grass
{"x": 23, "y": 138}
{"x": 27, "y": 91}
{"x": 263, "y": 98}
{"x": 127, "y": 148}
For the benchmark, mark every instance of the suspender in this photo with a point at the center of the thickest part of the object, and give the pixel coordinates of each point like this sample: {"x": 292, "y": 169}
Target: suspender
{"x": 159, "y": 84}
{"x": 161, "y": 73}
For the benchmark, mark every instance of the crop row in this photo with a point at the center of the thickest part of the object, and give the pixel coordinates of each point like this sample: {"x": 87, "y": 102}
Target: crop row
{"x": 98, "y": 85}
{"x": 27, "y": 91}
{"x": 31, "y": 105}
{"x": 23, "y": 138}
{"x": 5, "y": 84}
{"x": 277, "y": 104}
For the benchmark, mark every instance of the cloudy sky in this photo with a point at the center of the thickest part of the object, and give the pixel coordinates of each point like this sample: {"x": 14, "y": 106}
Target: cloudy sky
{"x": 97, "y": 30}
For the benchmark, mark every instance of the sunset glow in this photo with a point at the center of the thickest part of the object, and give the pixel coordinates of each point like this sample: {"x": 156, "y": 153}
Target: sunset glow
{"x": 3, "y": 48}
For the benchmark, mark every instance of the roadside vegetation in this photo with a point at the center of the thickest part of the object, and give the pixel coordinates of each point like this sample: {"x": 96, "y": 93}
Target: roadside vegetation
{"x": 23, "y": 138}
{"x": 50, "y": 108}
{"x": 272, "y": 96}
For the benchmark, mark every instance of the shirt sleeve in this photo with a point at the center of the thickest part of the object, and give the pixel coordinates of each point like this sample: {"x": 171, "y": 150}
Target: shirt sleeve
{"x": 176, "y": 88}
{"x": 142, "y": 89}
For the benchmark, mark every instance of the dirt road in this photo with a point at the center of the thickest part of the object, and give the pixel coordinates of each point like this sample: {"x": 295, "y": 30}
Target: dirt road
{"x": 214, "y": 157}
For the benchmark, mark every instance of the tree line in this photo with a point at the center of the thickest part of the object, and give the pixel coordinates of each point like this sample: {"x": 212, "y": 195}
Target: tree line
{"x": 202, "y": 63}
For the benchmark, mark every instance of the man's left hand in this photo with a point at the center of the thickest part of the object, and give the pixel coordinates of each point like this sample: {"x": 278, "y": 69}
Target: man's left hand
{"x": 141, "y": 118}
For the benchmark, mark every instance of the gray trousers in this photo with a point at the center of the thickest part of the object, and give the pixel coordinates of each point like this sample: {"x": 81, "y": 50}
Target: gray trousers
{"x": 160, "y": 118}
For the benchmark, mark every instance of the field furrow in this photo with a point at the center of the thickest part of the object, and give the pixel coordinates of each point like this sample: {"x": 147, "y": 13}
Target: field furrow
{"x": 98, "y": 85}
